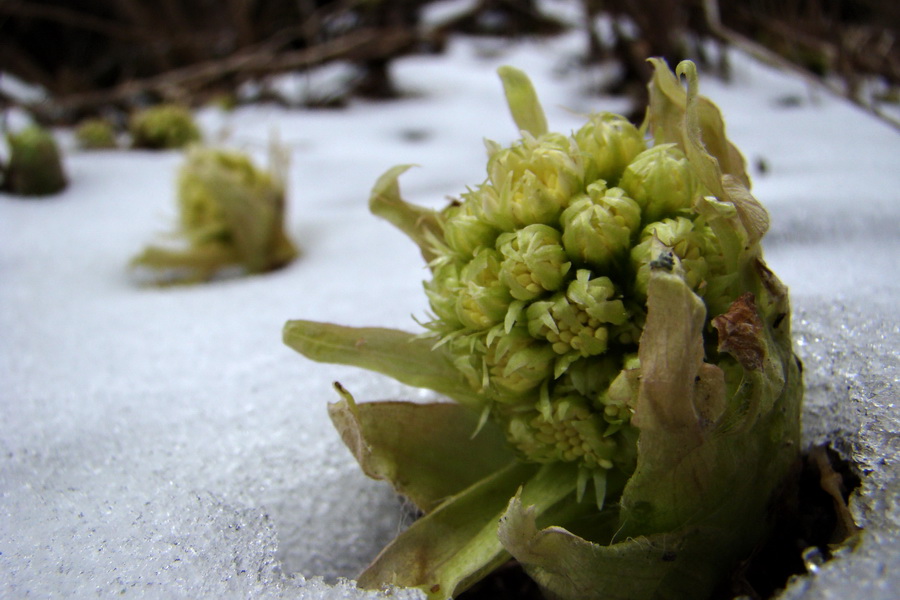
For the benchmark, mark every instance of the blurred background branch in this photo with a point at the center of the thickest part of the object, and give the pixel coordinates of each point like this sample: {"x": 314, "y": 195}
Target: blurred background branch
{"x": 100, "y": 55}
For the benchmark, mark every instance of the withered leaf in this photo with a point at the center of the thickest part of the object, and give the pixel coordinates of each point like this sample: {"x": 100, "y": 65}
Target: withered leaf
{"x": 739, "y": 331}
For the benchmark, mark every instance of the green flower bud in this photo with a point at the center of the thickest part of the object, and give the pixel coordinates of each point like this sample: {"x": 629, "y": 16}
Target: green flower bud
{"x": 609, "y": 142}
{"x": 483, "y": 300}
{"x": 163, "y": 126}
{"x": 575, "y": 323}
{"x": 534, "y": 261}
{"x": 35, "y": 166}
{"x": 589, "y": 377}
{"x": 620, "y": 397}
{"x": 629, "y": 332}
{"x": 573, "y": 432}
{"x": 662, "y": 182}
{"x": 531, "y": 181}
{"x": 517, "y": 364}
{"x": 598, "y": 227}
{"x": 593, "y": 295}
{"x": 465, "y": 229}
{"x": 695, "y": 246}
{"x": 96, "y": 134}
{"x": 442, "y": 293}
{"x": 566, "y": 328}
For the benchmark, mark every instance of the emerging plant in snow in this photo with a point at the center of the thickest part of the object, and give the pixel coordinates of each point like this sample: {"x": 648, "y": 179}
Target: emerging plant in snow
{"x": 35, "y": 165}
{"x": 627, "y": 398}
{"x": 231, "y": 214}
{"x": 163, "y": 126}
{"x": 96, "y": 134}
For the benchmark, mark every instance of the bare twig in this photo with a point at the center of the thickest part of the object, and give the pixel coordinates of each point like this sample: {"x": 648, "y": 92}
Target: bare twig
{"x": 259, "y": 60}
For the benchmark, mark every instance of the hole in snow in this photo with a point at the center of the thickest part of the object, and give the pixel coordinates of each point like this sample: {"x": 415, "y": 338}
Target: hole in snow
{"x": 810, "y": 523}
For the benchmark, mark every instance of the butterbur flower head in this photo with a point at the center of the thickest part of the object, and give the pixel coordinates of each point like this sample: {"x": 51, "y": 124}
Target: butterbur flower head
{"x": 516, "y": 364}
{"x": 619, "y": 353}
{"x": 442, "y": 291}
{"x": 572, "y": 433}
{"x": 576, "y": 323}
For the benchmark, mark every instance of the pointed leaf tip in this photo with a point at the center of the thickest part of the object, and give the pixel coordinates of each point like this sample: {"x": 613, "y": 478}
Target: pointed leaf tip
{"x": 523, "y": 102}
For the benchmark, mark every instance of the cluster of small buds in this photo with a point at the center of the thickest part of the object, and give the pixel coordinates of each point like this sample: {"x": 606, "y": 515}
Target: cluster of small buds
{"x": 576, "y": 321}
{"x": 542, "y": 271}
{"x": 573, "y": 433}
{"x": 661, "y": 181}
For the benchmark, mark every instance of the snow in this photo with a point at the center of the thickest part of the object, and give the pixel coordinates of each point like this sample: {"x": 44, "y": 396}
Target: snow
{"x": 163, "y": 443}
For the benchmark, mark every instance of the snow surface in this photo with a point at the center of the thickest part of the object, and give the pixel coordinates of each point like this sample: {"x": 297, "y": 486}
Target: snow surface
{"x": 163, "y": 443}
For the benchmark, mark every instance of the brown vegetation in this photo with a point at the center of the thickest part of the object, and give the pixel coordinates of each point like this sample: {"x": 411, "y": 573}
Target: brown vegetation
{"x": 93, "y": 55}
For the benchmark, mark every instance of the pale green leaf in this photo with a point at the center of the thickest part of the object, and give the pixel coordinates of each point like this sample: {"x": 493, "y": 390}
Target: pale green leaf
{"x": 188, "y": 265}
{"x": 407, "y": 358}
{"x": 523, "y": 101}
{"x": 457, "y": 544}
{"x": 454, "y": 545}
{"x": 429, "y": 452}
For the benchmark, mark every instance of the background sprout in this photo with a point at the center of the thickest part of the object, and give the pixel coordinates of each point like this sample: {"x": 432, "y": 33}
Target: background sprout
{"x": 162, "y": 127}
{"x": 35, "y": 165}
{"x": 96, "y": 134}
{"x": 649, "y": 407}
{"x": 231, "y": 214}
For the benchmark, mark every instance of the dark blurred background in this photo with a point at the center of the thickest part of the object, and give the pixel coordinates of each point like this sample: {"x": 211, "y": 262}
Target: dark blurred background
{"x": 93, "y": 56}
